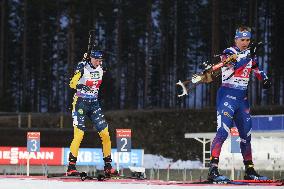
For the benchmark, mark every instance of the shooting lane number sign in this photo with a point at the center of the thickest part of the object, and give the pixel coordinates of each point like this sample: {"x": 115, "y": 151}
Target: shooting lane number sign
{"x": 123, "y": 140}
{"x": 33, "y": 141}
{"x": 33, "y": 145}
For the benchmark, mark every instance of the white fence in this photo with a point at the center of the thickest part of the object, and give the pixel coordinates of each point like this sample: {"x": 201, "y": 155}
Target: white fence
{"x": 267, "y": 152}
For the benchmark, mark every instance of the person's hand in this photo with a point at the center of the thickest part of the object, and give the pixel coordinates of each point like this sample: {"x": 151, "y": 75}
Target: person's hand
{"x": 207, "y": 77}
{"x": 83, "y": 87}
{"x": 231, "y": 59}
{"x": 254, "y": 49}
{"x": 205, "y": 66}
{"x": 85, "y": 57}
{"x": 266, "y": 84}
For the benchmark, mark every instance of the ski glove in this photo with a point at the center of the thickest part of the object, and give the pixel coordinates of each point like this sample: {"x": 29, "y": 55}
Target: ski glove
{"x": 83, "y": 87}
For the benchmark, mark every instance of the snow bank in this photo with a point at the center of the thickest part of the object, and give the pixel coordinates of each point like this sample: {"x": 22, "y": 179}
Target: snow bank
{"x": 156, "y": 161}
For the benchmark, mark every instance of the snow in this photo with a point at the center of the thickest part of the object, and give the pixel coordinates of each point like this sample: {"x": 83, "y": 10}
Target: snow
{"x": 35, "y": 183}
{"x": 155, "y": 161}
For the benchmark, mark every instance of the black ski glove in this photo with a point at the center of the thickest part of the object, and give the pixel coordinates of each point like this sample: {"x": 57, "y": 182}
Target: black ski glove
{"x": 83, "y": 87}
{"x": 253, "y": 50}
{"x": 266, "y": 84}
{"x": 205, "y": 66}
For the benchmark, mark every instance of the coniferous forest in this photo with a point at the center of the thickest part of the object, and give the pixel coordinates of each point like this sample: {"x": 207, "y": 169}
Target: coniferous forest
{"x": 148, "y": 46}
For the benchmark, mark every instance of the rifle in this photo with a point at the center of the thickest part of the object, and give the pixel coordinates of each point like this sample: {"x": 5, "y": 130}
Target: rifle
{"x": 91, "y": 45}
{"x": 210, "y": 70}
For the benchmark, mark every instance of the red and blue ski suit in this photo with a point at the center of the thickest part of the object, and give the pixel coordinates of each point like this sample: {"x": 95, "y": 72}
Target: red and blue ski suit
{"x": 232, "y": 101}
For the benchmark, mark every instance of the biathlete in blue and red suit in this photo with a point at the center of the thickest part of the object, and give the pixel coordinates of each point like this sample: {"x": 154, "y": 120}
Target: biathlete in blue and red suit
{"x": 233, "y": 105}
{"x": 87, "y": 80}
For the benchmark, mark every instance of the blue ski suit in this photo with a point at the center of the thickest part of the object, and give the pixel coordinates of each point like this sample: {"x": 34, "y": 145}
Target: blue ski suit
{"x": 232, "y": 101}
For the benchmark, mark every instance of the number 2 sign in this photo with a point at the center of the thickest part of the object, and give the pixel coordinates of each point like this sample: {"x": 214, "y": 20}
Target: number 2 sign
{"x": 123, "y": 140}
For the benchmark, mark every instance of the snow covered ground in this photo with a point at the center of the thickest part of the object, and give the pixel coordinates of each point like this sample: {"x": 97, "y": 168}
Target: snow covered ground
{"x": 42, "y": 183}
{"x": 150, "y": 161}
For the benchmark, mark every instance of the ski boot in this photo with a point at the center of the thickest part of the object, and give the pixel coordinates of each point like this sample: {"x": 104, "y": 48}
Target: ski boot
{"x": 108, "y": 170}
{"x": 251, "y": 174}
{"x": 71, "y": 170}
{"x": 215, "y": 176}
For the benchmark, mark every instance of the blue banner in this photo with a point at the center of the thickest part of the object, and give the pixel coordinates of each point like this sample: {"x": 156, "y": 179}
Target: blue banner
{"x": 94, "y": 156}
{"x": 268, "y": 122}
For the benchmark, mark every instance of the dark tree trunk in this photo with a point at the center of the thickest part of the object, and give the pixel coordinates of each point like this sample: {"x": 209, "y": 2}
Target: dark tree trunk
{"x": 2, "y": 51}
{"x": 215, "y": 45}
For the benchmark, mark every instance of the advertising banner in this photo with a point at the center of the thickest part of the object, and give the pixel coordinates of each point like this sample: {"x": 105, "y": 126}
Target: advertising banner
{"x": 59, "y": 156}
{"x": 94, "y": 156}
{"x": 19, "y": 155}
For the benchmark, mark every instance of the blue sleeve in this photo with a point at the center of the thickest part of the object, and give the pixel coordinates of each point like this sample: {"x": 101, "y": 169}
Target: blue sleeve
{"x": 228, "y": 52}
{"x": 241, "y": 63}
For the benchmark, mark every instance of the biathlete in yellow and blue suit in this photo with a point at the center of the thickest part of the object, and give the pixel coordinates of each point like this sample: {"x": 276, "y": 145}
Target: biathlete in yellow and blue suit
{"x": 87, "y": 80}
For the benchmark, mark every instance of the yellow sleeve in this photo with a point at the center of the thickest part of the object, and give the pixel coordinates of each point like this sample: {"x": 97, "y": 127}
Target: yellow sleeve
{"x": 75, "y": 79}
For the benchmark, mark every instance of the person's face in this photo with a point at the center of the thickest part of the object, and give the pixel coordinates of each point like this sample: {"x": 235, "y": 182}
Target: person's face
{"x": 242, "y": 43}
{"x": 96, "y": 62}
